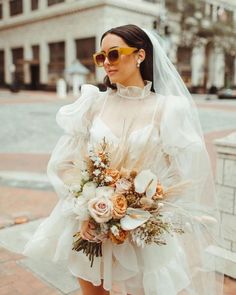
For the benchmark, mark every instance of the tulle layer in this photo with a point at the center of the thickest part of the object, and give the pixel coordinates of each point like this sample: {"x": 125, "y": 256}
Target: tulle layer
{"x": 125, "y": 267}
{"x": 134, "y": 270}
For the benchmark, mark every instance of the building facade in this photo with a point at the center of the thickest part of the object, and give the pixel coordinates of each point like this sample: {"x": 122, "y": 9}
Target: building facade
{"x": 39, "y": 39}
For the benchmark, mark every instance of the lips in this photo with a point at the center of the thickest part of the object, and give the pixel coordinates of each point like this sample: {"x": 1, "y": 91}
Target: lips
{"x": 111, "y": 72}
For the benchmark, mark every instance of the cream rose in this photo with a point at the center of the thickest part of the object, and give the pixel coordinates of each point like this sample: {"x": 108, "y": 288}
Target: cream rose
{"x": 100, "y": 208}
{"x": 81, "y": 208}
{"x": 122, "y": 185}
{"x": 89, "y": 190}
{"x": 119, "y": 206}
{"x": 104, "y": 192}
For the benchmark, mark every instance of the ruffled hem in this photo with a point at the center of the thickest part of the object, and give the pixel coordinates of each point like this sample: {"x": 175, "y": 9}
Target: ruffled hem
{"x": 138, "y": 271}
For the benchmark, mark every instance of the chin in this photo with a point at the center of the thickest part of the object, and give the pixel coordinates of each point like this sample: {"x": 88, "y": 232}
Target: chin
{"x": 114, "y": 80}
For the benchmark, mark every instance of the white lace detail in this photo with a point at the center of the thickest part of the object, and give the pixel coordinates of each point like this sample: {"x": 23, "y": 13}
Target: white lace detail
{"x": 134, "y": 92}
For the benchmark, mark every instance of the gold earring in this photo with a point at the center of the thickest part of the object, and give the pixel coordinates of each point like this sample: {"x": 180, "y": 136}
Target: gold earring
{"x": 138, "y": 63}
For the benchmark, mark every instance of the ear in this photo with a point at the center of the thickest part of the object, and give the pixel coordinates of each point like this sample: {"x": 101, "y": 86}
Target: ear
{"x": 141, "y": 54}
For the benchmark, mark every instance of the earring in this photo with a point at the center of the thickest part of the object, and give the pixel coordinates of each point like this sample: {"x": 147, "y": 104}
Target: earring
{"x": 138, "y": 63}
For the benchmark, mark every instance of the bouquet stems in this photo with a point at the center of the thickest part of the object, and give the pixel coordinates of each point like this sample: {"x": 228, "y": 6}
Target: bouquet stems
{"x": 90, "y": 249}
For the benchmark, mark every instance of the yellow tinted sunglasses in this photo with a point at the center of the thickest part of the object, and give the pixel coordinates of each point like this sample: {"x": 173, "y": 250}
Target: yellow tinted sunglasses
{"x": 113, "y": 55}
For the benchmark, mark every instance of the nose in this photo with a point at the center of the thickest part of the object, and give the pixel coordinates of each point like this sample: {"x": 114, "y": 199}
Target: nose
{"x": 106, "y": 61}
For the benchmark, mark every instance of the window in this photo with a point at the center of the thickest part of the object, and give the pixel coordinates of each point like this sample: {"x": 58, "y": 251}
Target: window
{"x": 2, "y": 80}
{"x": 0, "y": 11}
{"x": 52, "y": 2}
{"x": 17, "y": 59}
{"x": 34, "y": 4}
{"x": 56, "y": 64}
{"x": 35, "y": 52}
{"x": 85, "y": 48}
{"x": 16, "y": 7}
{"x": 184, "y": 63}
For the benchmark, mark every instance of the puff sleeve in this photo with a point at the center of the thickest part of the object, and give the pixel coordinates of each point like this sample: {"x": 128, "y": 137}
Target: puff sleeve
{"x": 75, "y": 120}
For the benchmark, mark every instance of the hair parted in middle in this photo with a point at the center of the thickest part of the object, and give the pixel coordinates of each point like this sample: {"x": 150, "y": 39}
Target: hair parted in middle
{"x": 134, "y": 36}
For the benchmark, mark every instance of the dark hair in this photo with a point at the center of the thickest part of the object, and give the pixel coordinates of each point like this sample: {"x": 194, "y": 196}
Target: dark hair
{"x": 134, "y": 37}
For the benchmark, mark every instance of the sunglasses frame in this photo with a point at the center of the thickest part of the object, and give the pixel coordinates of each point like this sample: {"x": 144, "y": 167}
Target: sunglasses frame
{"x": 121, "y": 50}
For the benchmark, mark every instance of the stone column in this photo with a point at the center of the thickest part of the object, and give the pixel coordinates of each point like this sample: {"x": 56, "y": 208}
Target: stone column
{"x": 43, "y": 4}
{"x": 214, "y": 13}
{"x": 226, "y": 196}
{"x": 44, "y": 60}
{"x": 26, "y": 7}
{"x": 234, "y": 71}
{"x": 198, "y": 65}
{"x": 70, "y": 51}
{"x": 234, "y": 17}
{"x": 5, "y": 10}
{"x": 7, "y": 65}
{"x": 27, "y": 57}
{"x": 219, "y": 61}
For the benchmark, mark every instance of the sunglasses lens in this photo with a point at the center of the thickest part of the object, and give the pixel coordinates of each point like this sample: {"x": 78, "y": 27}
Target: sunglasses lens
{"x": 113, "y": 55}
{"x": 100, "y": 58}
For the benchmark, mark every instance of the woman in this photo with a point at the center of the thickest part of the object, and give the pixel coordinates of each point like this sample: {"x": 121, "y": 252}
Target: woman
{"x": 149, "y": 119}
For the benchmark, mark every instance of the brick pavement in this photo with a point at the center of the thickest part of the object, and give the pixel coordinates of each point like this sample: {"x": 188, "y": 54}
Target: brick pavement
{"x": 17, "y": 280}
{"x": 20, "y": 205}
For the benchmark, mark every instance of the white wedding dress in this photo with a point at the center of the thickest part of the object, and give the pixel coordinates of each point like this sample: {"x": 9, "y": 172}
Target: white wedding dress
{"x": 146, "y": 131}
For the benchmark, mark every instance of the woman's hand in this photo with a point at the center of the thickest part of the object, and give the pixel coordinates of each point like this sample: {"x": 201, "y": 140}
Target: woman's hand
{"x": 87, "y": 231}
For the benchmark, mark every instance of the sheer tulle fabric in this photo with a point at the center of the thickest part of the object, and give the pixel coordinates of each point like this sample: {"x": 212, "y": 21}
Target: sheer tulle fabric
{"x": 153, "y": 132}
{"x": 158, "y": 131}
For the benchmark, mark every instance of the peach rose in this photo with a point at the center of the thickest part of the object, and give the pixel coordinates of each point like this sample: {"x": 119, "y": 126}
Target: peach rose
{"x": 122, "y": 185}
{"x": 113, "y": 174}
{"x": 119, "y": 204}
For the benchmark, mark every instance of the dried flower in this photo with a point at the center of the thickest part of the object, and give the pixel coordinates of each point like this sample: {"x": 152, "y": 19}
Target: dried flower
{"x": 118, "y": 238}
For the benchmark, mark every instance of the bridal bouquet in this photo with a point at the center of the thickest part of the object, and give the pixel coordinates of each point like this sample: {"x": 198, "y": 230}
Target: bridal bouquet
{"x": 119, "y": 204}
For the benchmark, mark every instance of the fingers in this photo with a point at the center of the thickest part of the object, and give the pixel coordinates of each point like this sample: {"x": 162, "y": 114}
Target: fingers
{"x": 88, "y": 234}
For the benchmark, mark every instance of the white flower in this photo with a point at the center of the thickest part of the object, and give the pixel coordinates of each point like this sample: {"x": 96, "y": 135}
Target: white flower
{"x": 104, "y": 192}
{"x": 89, "y": 190}
{"x": 108, "y": 178}
{"x": 96, "y": 172}
{"x": 134, "y": 218}
{"x": 97, "y": 162}
{"x": 146, "y": 181}
{"x": 75, "y": 188}
{"x": 115, "y": 230}
{"x": 100, "y": 209}
{"x": 81, "y": 208}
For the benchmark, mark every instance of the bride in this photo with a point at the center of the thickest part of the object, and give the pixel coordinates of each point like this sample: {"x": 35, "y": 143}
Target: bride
{"x": 150, "y": 120}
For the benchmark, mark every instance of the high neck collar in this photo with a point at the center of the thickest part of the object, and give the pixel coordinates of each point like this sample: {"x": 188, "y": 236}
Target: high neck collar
{"x": 134, "y": 92}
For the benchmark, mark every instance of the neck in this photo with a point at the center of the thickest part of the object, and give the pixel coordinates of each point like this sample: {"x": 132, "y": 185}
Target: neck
{"x": 135, "y": 80}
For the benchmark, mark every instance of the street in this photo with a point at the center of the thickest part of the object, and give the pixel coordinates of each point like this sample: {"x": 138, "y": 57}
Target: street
{"x": 28, "y": 133}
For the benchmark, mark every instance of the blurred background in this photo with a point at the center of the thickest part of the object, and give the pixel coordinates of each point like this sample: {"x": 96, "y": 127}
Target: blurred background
{"x": 44, "y": 40}
{"x": 46, "y": 49}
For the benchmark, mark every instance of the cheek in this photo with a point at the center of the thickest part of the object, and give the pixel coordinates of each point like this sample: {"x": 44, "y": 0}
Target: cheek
{"x": 127, "y": 65}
